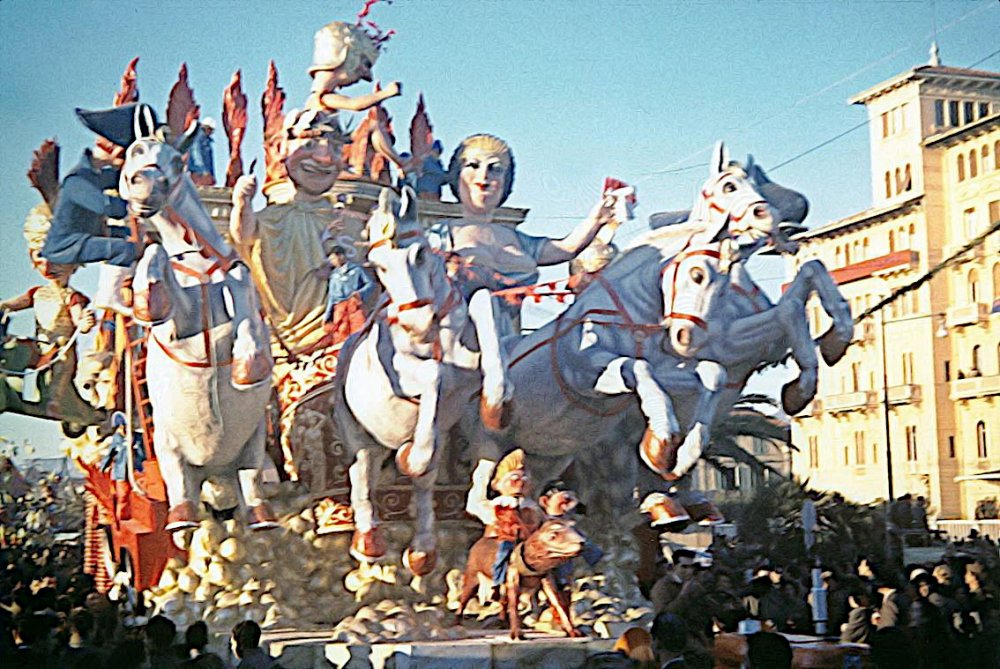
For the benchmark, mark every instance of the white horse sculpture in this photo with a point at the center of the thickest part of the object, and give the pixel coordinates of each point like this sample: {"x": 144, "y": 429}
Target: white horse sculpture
{"x": 577, "y": 379}
{"x": 408, "y": 376}
{"x": 208, "y": 360}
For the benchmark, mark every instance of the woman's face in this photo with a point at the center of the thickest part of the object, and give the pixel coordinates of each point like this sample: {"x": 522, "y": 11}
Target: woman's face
{"x": 482, "y": 180}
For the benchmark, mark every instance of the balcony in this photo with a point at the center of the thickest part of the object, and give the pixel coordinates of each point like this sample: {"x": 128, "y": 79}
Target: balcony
{"x": 968, "y": 314}
{"x": 863, "y": 399}
{"x": 905, "y": 394}
{"x": 979, "y": 386}
{"x": 893, "y": 262}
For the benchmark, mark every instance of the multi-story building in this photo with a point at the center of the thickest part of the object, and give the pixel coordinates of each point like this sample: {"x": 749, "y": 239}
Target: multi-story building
{"x": 921, "y": 381}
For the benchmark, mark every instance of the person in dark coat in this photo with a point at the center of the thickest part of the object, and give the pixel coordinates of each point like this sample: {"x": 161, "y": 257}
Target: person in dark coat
{"x": 246, "y": 646}
{"x": 80, "y": 232}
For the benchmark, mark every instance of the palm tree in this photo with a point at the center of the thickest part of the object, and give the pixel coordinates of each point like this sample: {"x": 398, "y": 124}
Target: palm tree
{"x": 746, "y": 420}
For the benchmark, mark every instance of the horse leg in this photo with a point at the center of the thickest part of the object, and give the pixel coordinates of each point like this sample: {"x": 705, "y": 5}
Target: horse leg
{"x": 791, "y": 314}
{"x": 498, "y": 390}
{"x": 834, "y": 342}
{"x": 183, "y": 486}
{"x": 421, "y": 555}
{"x": 250, "y": 464}
{"x": 252, "y": 361}
{"x": 663, "y": 436}
{"x": 712, "y": 379}
{"x": 151, "y": 301}
{"x": 367, "y": 544}
{"x": 414, "y": 458}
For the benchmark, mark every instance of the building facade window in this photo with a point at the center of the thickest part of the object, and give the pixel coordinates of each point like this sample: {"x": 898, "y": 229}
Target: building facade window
{"x": 973, "y": 165}
{"x": 994, "y": 212}
{"x": 969, "y": 221}
{"x": 975, "y": 369}
{"x": 981, "y": 447}
{"x": 953, "y": 119}
{"x": 892, "y": 242}
{"x": 885, "y": 124}
{"x": 970, "y": 112}
{"x": 911, "y": 443}
{"x": 859, "y": 448}
{"x": 907, "y": 179}
{"x": 996, "y": 155}
{"x": 996, "y": 284}
{"x": 939, "y": 113}
{"x": 973, "y": 287}
{"x": 984, "y": 158}
{"x": 960, "y": 162}
{"x": 984, "y": 109}
{"x": 813, "y": 452}
{"x": 951, "y": 446}
{"x": 847, "y": 455}
{"x": 888, "y": 185}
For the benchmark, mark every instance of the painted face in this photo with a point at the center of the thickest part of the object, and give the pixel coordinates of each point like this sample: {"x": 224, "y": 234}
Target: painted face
{"x": 514, "y": 484}
{"x": 50, "y": 270}
{"x": 313, "y": 164}
{"x": 481, "y": 180}
{"x": 560, "y": 503}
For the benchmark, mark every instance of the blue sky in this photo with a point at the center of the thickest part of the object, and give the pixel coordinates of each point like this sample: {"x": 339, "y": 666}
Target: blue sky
{"x": 581, "y": 89}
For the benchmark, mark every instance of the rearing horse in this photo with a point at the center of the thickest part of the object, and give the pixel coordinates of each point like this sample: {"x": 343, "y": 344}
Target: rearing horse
{"x": 208, "y": 362}
{"x": 406, "y": 378}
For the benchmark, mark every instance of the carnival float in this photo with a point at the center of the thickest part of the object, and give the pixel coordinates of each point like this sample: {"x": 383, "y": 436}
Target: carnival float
{"x": 241, "y": 392}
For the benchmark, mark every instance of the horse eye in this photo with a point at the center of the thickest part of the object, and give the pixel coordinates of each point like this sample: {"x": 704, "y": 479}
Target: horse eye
{"x": 698, "y": 275}
{"x": 728, "y": 187}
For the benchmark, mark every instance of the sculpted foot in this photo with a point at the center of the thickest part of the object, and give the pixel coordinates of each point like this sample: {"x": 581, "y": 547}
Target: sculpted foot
{"x": 420, "y": 563}
{"x": 262, "y": 517}
{"x": 184, "y": 516}
{"x": 659, "y": 455}
{"x": 151, "y": 305}
{"x": 793, "y": 398}
{"x": 832, "y": 346}
{"x": 368, "y": 546}
{"x": 414, "y": 461}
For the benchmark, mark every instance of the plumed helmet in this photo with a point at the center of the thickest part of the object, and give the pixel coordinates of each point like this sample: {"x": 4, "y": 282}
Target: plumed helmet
{"x": 339, "y": 43}
{"x": 511, "y": 462}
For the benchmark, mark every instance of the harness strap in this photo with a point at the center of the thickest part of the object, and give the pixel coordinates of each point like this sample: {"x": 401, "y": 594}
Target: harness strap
{"x": 188, "y": 363}
{"x": 191, "y": 235}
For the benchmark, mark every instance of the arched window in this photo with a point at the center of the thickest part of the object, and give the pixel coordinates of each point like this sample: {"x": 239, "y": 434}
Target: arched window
{"x": 847, "y": 254}
{"x": 973, "y": 164}
{"x": 984, "y": 156}
{"x": 912, "y": 235}
{"x": 864, "y": 250}
{"x": 996, "y": 155}
{"x": 996, "y": 282}
{"x": 888, "y": 185}
{"x": 975, "y": 370}
{"x": 855, "y": 377}
{"x": 981, "y": 449}
{"x": 899, "y": 181}
{"x": 973, "y": 287}
{"x": 961, "y": 167}
{"x": 892, "y": 242}
{"x": 907, "y": 179}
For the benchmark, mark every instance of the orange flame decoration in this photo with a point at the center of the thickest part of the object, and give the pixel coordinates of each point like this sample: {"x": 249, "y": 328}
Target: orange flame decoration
{"x": 360, "y": 155}
{"x": 181, "y": 109}
{"x": 128, "y": 91}
{"x": 234, "y": 121}
{"x": 44, "y": 172}
{"x": 272, "y": 104}
{"x": 421, "y": 131}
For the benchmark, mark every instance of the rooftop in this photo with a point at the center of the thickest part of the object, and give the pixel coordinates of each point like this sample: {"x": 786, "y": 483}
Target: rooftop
{"x": 927, "y": 73}
{"x": 861, "y": 218}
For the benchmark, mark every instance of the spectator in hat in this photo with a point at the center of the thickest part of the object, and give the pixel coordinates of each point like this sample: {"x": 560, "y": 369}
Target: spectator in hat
{"x": 348, "y": 288}
{"x": 201, "y": 157}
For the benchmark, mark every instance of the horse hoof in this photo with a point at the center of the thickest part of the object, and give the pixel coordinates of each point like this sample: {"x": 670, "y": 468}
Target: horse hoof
{"x": 420, "y": 563}
{"x": 793, "y": 400}
{"x": 368, "y": 546}
{"x": 262, "y": 518}
{"x": 251, "y": 371}
{"x": 403, "y": 462}
{"x": 832, "y": 347}
{"x": 184, "y": 516}
{"x": 152, "y": 305}
{"x": 659, "y": 455}
{"x": 496, "y": 418}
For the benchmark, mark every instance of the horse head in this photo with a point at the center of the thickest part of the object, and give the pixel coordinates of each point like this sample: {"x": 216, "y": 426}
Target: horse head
{"x": 691, "y": 283}
{"x": 412, "y": 274}
{"x": 154, "y": 164}
{"x": 730, "y": 205}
